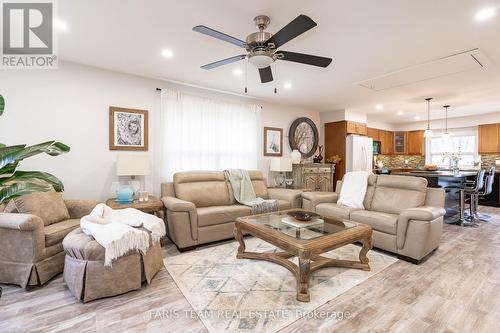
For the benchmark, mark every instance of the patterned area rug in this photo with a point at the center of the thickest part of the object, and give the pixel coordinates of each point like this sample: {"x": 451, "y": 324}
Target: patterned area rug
{"x": 243, "y": 295}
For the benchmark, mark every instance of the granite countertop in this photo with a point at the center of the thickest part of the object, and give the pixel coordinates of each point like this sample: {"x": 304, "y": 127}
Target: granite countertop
{"x": 439, "y": 173}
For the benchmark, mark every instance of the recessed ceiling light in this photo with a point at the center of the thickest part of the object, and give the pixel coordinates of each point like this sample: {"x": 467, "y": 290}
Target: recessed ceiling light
{"x": 400, "y": 113}
{"x": 485, "y": 14}
{"x": 237, "y": 72}
{"x": 379, "y": 106}
{"x": 60, "y": 25}
{"x": 167, "y": 53}
{"x": 287, "y": 85}
{"x": 417, "y": 118}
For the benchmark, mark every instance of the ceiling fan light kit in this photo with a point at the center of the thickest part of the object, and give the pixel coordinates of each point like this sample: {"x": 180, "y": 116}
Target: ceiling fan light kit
{"x": 262, "y": 46}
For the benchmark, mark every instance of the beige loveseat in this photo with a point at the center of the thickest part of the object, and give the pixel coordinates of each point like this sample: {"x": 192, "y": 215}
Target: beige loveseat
{"x": 31, "y": 250}
{"x": 201, "y": 207}
{"x": 406, "y": 216}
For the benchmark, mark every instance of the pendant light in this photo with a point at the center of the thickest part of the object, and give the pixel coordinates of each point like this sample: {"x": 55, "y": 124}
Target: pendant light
{"x": 428, "y": 132}
{"x": 446, "y": 135}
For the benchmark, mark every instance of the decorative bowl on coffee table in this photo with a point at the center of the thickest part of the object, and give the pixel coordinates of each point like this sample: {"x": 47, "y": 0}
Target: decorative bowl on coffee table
{"x": 303, "y": 215}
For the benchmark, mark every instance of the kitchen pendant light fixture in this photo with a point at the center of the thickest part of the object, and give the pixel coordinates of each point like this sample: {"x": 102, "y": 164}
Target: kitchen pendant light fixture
{"x": 428, "y": 132}
{"x": 446, "y": 135}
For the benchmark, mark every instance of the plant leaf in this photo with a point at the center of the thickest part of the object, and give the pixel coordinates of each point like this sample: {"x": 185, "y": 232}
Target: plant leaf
{"x": 26, "y": 176}
{"x": 2, "y": 145}
{"x": 8, "y": 170}
{"x": 2, "y": 104}
{"x": 13, "y": 154}
{"x": 18, "y": 189}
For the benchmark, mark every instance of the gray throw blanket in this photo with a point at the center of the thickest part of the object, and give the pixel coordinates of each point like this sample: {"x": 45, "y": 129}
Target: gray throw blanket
{"x": 244, "y": 193}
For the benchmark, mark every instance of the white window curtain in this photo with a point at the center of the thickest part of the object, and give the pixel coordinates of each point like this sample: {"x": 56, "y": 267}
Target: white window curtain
{"x": 463, "y": 141}
{"x": 198, "y": 133}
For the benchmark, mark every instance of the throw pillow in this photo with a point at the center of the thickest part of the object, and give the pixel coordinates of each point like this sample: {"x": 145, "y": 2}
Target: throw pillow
{"x": 49, "y": 206}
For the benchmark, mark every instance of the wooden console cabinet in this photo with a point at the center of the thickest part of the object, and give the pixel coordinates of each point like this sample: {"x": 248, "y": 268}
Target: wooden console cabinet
{"x": 315, "y": 176}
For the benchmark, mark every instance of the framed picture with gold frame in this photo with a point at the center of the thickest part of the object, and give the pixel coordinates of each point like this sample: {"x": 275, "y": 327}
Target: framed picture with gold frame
{"x": 273, "y": 141}
{"x": 128, "y": 129}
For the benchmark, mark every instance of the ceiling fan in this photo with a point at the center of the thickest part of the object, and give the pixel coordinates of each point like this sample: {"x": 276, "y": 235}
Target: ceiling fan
{"x": 262, "y": 46}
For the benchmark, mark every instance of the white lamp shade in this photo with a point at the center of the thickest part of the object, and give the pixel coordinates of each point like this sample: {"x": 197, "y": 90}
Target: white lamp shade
{"x": 132, "y": 165}
{"x": 281, "y": 164}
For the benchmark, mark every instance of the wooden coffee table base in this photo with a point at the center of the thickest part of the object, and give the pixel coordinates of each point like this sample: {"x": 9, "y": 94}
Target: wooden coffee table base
{"x": 308, "y": 263}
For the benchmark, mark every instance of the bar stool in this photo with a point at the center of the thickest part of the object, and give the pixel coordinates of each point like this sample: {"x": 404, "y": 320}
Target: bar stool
{"x": 470, "y": 191}
{"x": 487, "y": 189}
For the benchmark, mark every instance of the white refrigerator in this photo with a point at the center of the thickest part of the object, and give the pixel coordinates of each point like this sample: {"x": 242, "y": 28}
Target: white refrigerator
{"x": 359, "y": 153}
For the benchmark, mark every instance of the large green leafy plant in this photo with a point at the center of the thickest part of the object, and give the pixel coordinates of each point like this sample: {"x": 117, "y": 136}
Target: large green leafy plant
{"x": 14, "y": 183}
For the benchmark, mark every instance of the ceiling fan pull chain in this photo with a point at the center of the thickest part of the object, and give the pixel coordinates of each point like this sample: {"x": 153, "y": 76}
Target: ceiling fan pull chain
{"x": 276, "y": 75}
{"x": 246, "y": 75}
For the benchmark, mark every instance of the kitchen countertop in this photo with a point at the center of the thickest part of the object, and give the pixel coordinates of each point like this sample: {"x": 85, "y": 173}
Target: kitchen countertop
{"x": 439, "y": 173}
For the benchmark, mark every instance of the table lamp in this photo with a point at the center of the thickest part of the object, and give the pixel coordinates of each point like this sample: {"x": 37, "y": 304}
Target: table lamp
{"x": 130, "y": 165}
{"x": 280, "y": 164}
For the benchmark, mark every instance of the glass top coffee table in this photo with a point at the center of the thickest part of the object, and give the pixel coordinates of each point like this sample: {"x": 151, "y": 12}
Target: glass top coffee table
{"x": 307, "y": 243}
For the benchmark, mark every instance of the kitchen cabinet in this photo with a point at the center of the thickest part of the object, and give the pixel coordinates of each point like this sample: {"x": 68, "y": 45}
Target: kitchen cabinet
{"x": 386, "y": 142}
{"x": 400, "y": 138}
{"x": 489, "y": 138}
{"x": 356, "y": 128}
{"x": 415, "y": 143}
{"x": 373, "y": 133}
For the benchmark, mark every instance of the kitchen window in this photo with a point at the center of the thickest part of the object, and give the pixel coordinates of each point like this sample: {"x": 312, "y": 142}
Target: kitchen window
{"x": 463, "y": 142}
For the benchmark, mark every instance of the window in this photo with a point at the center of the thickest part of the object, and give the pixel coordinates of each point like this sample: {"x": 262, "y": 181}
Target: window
{"x": 198, "y": 133}
{"x": 465, "y": 143}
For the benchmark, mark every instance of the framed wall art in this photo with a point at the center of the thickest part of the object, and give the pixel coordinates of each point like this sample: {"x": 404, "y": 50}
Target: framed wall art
{"x": 128, "y": 129}
{"x": 273, "y": 141}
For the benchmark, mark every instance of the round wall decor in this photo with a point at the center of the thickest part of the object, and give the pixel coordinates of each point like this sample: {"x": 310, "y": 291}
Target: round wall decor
{"x": 303, "y": 135}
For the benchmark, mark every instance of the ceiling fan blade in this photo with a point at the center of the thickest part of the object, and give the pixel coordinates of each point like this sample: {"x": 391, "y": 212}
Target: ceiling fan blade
{"x": 298, "y": 26}
{"x": 302, "y": 58}
{"x": 266, "y": 75}
{"x": 224, "y": 61}
{"x": 220, "y": 35}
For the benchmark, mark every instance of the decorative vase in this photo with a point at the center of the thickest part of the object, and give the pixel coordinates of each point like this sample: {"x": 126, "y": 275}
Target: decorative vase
{"x": 456, "y": 169}
{"x": 124, "y": 193}
{"x": 318, "y": 158}
{"x": 296, "y": 156}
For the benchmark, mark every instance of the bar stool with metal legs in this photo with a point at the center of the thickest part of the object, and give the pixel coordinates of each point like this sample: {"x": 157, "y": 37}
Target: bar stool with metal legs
{"x": 487, "y": 189}
{"x": 470, "y": 191}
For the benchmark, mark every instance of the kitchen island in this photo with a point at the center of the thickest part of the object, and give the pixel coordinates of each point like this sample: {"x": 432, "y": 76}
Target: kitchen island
{"x": 433, "y": 177}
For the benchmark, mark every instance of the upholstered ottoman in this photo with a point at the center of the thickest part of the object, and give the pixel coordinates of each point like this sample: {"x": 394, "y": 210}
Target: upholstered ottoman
{"x": 87, "y": 277}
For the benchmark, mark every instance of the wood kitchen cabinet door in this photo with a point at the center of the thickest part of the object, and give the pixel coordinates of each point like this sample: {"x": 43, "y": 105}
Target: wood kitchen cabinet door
{"x": 387, "y": 142}
{"x": 489, "y": 138}
{"x": 400, "y": 138}
{"x": 415, "y": 143}
{"x": 373, "y": 133}
{"x": 355, "y": 128}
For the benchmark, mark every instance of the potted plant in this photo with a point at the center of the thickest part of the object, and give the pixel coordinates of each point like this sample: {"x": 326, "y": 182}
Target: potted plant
{"x": 13, "y": 182}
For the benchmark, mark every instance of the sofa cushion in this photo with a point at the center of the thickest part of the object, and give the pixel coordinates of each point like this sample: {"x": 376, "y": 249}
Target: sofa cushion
{"x": 56, "y": 232}
{"x": 49, "y": 206}
{"x": 259, "y": 184}
{"x": 283, "y": 204}
{"x": 203, "y": 188}
{"x": 334, "y": 210}
{"x": 379, "y": 221}
{"x": 221, "y": 214}
{"x": 393, "y": 194}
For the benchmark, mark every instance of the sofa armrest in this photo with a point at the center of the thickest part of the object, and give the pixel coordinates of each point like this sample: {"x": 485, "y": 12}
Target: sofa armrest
{"x": 424, "y": 214}
{"x": 79, "y": 208}
{"x": 312, "y": 199}
{"x": 178, "y": 205}
{"x": 22, "y": 222}
{"x": 289, "y": 195}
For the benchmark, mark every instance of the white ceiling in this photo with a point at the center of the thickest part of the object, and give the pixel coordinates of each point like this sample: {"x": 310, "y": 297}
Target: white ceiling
{"x": 365, "y": 38}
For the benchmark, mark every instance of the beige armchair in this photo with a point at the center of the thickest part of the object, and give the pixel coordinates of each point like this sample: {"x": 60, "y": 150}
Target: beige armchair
{"x": 406, "y": 215}
{"x": 31, "y": 251}
{"x": 201, "y": 208}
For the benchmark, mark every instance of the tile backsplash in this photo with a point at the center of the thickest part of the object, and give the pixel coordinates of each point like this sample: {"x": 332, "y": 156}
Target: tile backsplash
{"x": 489, "y": 160}
{"x": 398, "y": 161}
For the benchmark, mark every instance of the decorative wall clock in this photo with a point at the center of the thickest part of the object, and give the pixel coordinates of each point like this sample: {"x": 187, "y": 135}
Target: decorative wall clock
{"x": 303, "y": 135}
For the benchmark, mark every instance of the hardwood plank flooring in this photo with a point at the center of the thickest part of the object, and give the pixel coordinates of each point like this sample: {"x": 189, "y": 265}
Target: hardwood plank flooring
{"x": 456, "y": 290}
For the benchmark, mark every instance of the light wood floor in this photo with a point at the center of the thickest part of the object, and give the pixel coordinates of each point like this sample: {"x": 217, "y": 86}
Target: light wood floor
{"x": 456, "y": 290}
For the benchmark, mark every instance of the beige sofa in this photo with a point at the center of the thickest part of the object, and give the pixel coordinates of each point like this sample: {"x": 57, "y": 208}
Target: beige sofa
{"x": 406, "y": 216}
{"x": 201, "y": 207}
{"x": 31, "y": 251}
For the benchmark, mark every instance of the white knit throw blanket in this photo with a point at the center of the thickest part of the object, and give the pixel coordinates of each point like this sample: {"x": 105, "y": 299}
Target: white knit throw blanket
{"x": 118, "y": 230}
